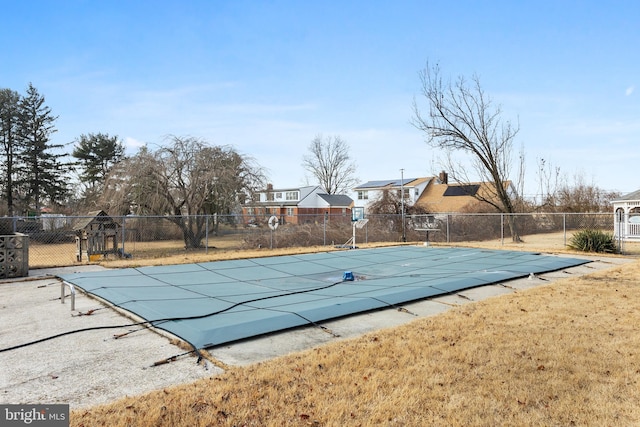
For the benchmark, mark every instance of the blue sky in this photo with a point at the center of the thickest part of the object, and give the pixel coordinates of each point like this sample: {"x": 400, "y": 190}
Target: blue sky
{"x": 266, "y": 77}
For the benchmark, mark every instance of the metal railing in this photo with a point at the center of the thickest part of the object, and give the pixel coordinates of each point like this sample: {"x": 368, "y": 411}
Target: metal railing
{"x": 72, "y": 289}
{"x": 59, "y": 242}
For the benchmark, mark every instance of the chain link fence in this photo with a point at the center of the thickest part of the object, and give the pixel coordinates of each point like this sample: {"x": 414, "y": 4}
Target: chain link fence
{"x": 56, "y": 240}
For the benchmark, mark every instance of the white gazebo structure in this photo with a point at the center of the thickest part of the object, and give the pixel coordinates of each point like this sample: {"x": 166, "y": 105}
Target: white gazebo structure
{"x": 627, "y": 217}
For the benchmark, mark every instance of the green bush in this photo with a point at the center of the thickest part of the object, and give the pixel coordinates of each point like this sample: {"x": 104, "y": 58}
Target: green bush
{"x": 590, "y": 240}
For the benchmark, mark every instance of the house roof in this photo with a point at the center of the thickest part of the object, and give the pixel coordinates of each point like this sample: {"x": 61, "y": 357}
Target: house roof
{"x": 388, "y": 183}
{"x": 631, "y": 196}
{"x": 439, "y": 197}
{"x": 306, "y": 189}
{"x": 306, "y": 193}
{"x": 337, "y": 200}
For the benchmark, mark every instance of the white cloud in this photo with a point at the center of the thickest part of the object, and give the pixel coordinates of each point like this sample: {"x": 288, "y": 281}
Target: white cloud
{"x": 132, "y": 144}
{"x": 629, "y": 90}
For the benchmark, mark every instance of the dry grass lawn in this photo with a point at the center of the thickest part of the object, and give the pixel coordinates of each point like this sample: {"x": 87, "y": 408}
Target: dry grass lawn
{"x": 564, "y": 354}
{"x": 228, "y": 247}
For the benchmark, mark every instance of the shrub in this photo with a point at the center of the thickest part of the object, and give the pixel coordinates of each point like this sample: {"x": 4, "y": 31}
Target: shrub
{"x": 304, "y": 235}
{"x": 590, "y": 240}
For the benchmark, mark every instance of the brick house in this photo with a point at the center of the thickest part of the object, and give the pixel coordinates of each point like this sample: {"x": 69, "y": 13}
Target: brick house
{"x": 296, "y": 205}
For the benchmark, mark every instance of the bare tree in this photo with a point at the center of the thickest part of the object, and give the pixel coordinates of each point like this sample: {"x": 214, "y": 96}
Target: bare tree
{"x": 559, "y": 193}
{"x": 183, "y": 180}
{"x": 462, "y": 118}
{"x": 330, "y": 164}
{"x": 548, "y": 180}
{"x": 583, "y": 196}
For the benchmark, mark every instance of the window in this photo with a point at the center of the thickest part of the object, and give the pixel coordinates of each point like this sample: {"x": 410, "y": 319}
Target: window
{"x": 292, "y": 195}
{"x": 363, "y": 195}
{"x": 270, "y": 197}
{"x": 278, "y": 196}
{"x": 290, "y": 211}
{"x": 406, "y": 193}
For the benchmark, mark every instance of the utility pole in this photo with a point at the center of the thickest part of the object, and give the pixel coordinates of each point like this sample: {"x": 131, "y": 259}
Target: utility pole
{"x": 404, "y": 236}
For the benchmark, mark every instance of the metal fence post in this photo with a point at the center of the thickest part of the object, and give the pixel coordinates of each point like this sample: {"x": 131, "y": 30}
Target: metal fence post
{"x": 502, "y": 229}
{"x": 124, "y": 230}
{"x": 448, "y": 234}
{"x": 206, "y": 234}
{"x": 366, "y": 233}
{"x": 324, "y": 229}
{"x": 564, "y": 228}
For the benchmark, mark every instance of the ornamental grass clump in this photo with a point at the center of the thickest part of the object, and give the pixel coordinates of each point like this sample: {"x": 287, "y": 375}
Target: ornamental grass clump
{"x": 590, "y": 240}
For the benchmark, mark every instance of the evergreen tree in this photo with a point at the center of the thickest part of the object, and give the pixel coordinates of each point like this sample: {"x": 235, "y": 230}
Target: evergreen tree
{"x": 41, "y": 173}
{"x": 97, "y": 153}
{"x": 9, "y": 102}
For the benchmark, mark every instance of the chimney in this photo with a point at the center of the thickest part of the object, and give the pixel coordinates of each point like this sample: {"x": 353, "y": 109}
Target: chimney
{"x": 269, "y": 187}
{"x": 443, "y": 177}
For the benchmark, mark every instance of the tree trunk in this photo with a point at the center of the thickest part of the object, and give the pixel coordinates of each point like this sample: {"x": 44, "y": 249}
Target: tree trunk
{"x": 192, "y": 240}
{"x": 512, "y": 221}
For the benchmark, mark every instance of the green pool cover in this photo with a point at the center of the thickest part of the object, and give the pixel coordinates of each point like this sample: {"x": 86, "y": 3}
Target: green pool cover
{"x": 212, "y": 303}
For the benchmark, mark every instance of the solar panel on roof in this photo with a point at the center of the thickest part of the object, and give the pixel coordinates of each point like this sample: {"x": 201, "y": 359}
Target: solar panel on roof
{"x": 384, "y": 183}
{"x": 374, "y": 184}
{"x": 462, "y": 190}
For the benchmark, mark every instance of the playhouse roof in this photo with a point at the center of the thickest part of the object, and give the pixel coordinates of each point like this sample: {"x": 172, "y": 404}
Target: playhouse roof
{"x": 90, "y": 218}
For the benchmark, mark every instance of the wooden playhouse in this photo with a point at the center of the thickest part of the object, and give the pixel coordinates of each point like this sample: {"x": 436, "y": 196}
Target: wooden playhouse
{"x": 96, "y": 236}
